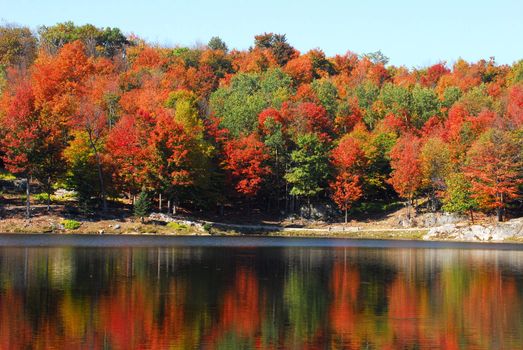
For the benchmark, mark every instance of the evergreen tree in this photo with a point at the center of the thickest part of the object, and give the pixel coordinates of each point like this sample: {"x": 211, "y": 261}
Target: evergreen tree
{"x": 142, "y": 206}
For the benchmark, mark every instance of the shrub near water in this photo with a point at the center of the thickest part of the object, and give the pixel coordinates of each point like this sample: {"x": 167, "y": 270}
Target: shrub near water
{"x": 71, "y": 224}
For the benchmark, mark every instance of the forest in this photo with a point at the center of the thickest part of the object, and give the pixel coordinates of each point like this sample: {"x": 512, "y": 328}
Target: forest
{"x": 115, "y": 118}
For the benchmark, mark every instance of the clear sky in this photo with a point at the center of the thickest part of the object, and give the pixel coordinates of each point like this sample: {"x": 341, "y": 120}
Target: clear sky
{"x": 411, "y": 33}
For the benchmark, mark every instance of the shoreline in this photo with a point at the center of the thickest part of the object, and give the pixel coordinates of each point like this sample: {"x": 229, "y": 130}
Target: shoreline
{"x": 85, "y": 240}
{"x": 167, "y": 226}
{"x": 63, "y": 238}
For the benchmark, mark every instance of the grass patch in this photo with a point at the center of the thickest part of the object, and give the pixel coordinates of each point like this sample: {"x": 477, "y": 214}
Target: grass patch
{"x": 385, "y": 234}
{"x": 176, "y": 226}
{"x": 41, "y": 197}
{"x": 71, "y": 224}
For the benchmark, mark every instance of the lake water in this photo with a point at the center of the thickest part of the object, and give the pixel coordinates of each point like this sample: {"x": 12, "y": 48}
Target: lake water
{"x": 69, "y": 292}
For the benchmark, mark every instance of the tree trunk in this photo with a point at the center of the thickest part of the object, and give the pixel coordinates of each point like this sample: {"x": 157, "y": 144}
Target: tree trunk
{"x": 277, "y": 167}
{"x": 160, "y": 202}
{"x": 48, "y": 192}
{"x": 101, "y": 179}
{"x": 501, "y": 209}
{"x": 48, "y": 202}
{"x": 28, "y": 199}
{"x": 100, "y": 173}
{"x": 433, "y": 200}
{"x": 345, "y": 216}
{"x": 286, "y": 198}
{"x": 471, "y": 212}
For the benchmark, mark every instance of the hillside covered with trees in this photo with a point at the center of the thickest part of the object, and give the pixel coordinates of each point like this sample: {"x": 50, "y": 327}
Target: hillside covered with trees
{"x": 110, "y": 116}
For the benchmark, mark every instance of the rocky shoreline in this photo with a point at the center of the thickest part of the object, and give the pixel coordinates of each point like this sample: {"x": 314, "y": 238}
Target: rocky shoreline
{"x": 504, "y": 231}
{"x": 428, "y": 227}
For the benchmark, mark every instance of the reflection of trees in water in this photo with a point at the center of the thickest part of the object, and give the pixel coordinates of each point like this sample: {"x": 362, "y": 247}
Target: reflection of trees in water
{"x": 245, "y": 298}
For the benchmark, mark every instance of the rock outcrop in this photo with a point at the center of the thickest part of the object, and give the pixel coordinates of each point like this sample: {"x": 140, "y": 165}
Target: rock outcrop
{"x": 496, "y": 233}
{"x": 428, "y": 220}
{"x": 169, "y": 218}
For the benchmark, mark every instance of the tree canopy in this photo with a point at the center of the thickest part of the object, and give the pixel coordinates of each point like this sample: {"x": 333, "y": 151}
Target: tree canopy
{"x": 110, "y": 115}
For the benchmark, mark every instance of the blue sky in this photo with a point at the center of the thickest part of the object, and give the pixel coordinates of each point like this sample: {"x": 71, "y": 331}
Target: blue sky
{"x": 411, "y": 33}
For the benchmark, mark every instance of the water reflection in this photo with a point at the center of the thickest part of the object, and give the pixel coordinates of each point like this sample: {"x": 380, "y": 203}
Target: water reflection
{"x": 183, "y": 298}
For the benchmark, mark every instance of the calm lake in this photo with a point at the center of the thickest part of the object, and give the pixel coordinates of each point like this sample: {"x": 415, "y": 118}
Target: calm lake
{"x": 120, "y": 292}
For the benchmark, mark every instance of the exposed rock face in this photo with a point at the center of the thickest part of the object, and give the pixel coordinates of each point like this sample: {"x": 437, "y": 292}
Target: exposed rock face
{"x": 428, "y": 220}
{"x": 438, "y": 219}
{"x": 168, "y": 218}
{"x": 498, "y": 232}
{"x": 318, "y": 211}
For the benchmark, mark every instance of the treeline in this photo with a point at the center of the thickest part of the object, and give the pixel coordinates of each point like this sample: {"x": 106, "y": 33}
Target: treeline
{"x": 112, "y": 116}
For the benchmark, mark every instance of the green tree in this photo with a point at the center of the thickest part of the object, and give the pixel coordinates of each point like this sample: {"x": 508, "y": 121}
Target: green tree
{"x": 216, "y": 43}
{"x": 327, "y": 94}
{"x": 425, "y": 104}
{"x": 477, "y": 99}
{"x": 98, "y": 41}
{"x": 277, "y": 144}
{"x": 239, "y": 104}
{"x": 310, "y": 167}
{"x": 516, "y": 73}
{"x": 111, "y": 41}
{"x": 396, "y": 100}
{"x": 377, "y": 57}
{"x": 450, "y": 96}
{"x": 367, "y": 93}
{"x": 184, "y": 104}
{"x": 457, "y": 197}
{"x": 190, "y": 57}
{"x": 142, "y": 206}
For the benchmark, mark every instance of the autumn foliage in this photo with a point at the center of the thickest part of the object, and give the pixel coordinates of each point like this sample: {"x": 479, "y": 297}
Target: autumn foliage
{"x": 209, "y": 125}
{"x": 246, "y": 159}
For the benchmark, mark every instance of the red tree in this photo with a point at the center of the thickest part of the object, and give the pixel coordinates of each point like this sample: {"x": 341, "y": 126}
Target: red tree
{"x": 433, "y": 73}
{"x": 308, "y": 117}
{"x": 346, "y": 190}
{"x": 32, "y": 143}
{"x": 494, "y": 169}
{"x": 167, "y": 154}
{"x": 515, "y": 105}
{"x": 349, "y": 159}
{"x": 245, "y": 158}
{"x": 406, "y": 174}
{"x": 127, "y": 150}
